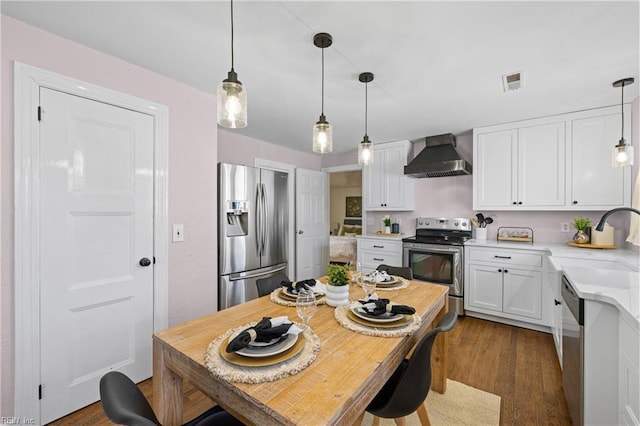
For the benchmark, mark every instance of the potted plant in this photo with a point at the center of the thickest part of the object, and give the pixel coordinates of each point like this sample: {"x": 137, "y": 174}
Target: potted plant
{"x": 386, "y": 221}
{"x": 582, "y": 225}
{"x": 338, "y": 285}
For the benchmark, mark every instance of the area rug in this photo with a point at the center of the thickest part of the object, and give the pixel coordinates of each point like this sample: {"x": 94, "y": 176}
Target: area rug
{"x": 460, "y": 405}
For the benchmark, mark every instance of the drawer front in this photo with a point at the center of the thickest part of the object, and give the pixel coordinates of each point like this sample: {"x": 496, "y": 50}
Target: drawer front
{"x": 381, "y": 245}
{"x": 506, "y": 257}
{"x": 375, "y": 258}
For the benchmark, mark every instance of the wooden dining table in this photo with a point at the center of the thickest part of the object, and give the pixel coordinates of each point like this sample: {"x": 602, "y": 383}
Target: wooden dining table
{"x": 336, "y": 388}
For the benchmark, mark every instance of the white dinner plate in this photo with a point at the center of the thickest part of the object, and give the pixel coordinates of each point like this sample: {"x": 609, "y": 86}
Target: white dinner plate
{"x": 261, "y": 352}
{"x": 386, "y": 317}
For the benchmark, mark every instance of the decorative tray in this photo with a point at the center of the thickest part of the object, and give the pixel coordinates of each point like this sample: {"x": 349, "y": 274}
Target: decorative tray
{"x": 524, "y": 235}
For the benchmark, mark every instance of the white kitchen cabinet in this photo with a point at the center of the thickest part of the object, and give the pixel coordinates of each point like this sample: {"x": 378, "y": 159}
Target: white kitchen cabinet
{"x": 377, "y": 251}
{"x": 520, "y": 168}
{"x": 594, "y": 184}
{"x": 504, "y": 283}
{"x": 560, "y": 162}
{"x": 384, "y": 185}
{"x": 629, "y": 375}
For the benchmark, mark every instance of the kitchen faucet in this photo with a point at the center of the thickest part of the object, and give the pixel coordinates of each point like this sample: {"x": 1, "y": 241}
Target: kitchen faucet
{"x": 600, "y": 226}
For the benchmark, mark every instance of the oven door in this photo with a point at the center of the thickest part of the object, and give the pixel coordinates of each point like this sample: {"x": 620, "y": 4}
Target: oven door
{"x": 435, "y": 263}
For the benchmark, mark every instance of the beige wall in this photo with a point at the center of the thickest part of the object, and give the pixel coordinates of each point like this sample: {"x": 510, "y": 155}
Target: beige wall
{"x": 342, "y": 185}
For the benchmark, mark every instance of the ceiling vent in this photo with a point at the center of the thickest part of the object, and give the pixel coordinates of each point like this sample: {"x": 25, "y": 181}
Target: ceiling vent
{"x": 513, "y": 81}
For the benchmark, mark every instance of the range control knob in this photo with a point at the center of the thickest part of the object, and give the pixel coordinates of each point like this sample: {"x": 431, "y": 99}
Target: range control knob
{"x": 455, "y": 223}
{"x": 464, "y": 224}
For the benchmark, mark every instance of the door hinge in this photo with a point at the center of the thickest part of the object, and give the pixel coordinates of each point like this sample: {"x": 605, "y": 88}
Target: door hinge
{"x": 39, "y": 113}
{"x": 39, "y": 391}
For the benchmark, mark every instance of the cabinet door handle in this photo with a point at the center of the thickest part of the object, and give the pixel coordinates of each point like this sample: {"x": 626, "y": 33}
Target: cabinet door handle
{"x": 378, "y": 246}
{"x": 499, "y": 270}
{"x": 519, "y": 202}
{"x": 505, "y": 271}
{"x": 575, "y": 202}
{"x": 514, "y": 203}
{"x": 379, "y": 260}
{"x": 556, "y": 302}
{"x": 502, "y": 257}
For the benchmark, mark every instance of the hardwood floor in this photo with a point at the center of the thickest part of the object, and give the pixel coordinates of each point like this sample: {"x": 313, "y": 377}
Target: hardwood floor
{"x": 517, "y": 364}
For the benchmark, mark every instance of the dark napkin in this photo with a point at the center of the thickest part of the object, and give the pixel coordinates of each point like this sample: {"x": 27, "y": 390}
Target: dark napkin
{"x": 295, "y": 287}
{"x": 264, "y": 332}
{"x": 382, "y": 306}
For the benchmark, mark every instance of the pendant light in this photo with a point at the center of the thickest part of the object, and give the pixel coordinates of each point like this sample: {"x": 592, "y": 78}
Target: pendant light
{"x": 322, "y": 132}
{"x": 623, "y": 152}
{"x": 232, "y": 96}
{"x": 365, "y": 150}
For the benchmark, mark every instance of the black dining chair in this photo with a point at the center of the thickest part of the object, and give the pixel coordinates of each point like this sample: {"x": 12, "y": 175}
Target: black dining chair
{"x": 399, "y": 271}
{"x": 123, "y": 403}
{"x": 267, "y": 285}
{"x": 408, "y": 386}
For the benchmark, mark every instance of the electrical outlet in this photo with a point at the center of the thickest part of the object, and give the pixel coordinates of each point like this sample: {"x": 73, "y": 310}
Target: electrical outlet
{"x": 178, "y": 232}
{"x": 564, "y": 227}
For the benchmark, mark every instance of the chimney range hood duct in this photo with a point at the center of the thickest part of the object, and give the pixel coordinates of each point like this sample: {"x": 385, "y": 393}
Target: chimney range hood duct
{"x": 439, "y": 158}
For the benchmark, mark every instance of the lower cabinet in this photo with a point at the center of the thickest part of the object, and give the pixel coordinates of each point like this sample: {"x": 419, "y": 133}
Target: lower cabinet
{"x": 629, "y": 375}
{"x": 377, "y": 251}
{"x": 506, "y": 290}
{"x": 505, "y": 284}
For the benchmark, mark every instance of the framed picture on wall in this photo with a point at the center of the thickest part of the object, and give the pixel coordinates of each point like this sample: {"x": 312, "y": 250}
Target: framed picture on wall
{"x": 353, "y": 206}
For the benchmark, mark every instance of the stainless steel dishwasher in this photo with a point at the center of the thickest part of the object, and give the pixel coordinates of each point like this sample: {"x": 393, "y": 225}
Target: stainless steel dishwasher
{"x": 573, "y": 351}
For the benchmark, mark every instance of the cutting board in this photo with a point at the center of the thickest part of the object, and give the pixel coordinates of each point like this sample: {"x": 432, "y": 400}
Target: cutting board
{"x": 592, "y": 246}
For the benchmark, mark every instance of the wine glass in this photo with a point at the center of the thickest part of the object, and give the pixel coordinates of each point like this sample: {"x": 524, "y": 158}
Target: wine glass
{"x": 355, "y": 270}
{"x": 306, "y": 305}
{"x": 368, "y": 284}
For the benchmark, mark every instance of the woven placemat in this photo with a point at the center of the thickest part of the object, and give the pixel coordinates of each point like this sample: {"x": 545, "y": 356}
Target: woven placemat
{"x": 219, "y": 367}
{"x": 275, "y": 297}
{"x": 340, "y": 314}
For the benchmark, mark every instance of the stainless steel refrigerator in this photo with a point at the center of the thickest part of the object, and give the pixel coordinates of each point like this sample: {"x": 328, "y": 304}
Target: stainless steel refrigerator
{"x": 252, "y": 230}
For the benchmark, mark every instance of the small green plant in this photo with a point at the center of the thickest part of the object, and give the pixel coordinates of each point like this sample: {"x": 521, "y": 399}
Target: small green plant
{"x": 338, "y": 275}
{"x": 581, "y": 223}
{"x": 386, "y": 221}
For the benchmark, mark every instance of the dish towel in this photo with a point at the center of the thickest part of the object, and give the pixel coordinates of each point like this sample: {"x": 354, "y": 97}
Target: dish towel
{"x": 264, "y": 331}
{"x": 634, "y": 225}
{"x": 375, "y": 306}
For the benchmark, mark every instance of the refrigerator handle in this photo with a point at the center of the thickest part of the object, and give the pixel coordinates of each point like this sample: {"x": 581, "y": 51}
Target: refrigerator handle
{"x": 258, "y": 218}
{"x": 265, "y": 218}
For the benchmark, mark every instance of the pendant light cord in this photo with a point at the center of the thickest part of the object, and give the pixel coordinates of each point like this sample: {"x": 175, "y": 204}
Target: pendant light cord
{"x": 366, "y": 103}
{"x": 622, "y": 111}
{"x": 232, "y": 35}
{"x": 322, "y": 90}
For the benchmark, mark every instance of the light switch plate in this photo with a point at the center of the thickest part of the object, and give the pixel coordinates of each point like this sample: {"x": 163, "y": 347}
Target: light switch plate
{"x": 178, "y": 232}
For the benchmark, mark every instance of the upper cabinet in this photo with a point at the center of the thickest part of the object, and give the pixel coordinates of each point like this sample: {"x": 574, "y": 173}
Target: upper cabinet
{"x": 554, "y": 163}
{"x": 384, "y": 185}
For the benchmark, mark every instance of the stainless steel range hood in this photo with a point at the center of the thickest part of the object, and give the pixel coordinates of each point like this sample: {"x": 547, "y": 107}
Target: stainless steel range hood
{"x": 439, "y": 158}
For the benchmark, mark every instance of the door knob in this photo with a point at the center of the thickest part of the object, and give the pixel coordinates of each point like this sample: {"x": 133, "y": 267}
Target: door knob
{"x": 300, "y": 232}
{"x": 144, "y": 262}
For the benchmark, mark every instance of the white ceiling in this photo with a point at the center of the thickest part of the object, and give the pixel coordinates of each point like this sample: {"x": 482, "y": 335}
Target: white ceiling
{"x": 437, "y": 65}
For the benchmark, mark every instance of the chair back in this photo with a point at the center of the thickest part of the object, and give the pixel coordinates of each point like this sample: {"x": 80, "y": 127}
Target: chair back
{"x": 267, "y": 285}
{"x": 123, "y": 402}
{"x": 400, "y": 271}
{"x": 414, "y": 383}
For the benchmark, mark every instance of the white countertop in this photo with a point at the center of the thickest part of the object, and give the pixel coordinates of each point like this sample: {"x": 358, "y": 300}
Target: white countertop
{"x": 605, "y": 275}
{"x": 386, "y": 236}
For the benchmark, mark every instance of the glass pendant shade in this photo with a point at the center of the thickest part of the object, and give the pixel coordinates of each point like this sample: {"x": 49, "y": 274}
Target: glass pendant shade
{"x": 232, "y": 104}
{"x": 622, "y": 155}
{"x": 322, "y": 136}
{"x": 365, "y": 152}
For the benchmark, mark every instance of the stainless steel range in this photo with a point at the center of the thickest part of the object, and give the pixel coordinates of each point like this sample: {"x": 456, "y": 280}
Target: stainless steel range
{"x": 436, "y": 254}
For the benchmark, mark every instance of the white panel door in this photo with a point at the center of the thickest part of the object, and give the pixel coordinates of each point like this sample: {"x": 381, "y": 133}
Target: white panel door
{"x": 96, "y": 198}
{"x": 484, "y": 288}
{"x": 541, "y": 165}
{"x": 522, "y": 293}
{"x": 496, "y": 174}
{"x": 594, "y": 182}
{"x": 312, "y": 224}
